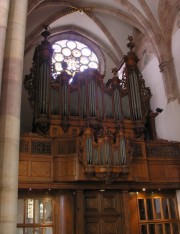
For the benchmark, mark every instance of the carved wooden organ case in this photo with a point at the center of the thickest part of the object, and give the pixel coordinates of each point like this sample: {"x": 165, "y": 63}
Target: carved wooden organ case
{"x": 98, "y": 122}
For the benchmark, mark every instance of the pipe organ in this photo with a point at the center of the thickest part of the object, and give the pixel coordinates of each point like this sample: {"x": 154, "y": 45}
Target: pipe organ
{"x": 101, "y": 123}
{"x": 89, "y": 136}
{"x": 105, "y": 116}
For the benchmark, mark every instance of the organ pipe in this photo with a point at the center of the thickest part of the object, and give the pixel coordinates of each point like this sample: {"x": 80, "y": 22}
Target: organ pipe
{"x": 133, "y": 80}
{"x": 87, "y": 97}
{"x": 74, "y": 103}
{"x": 83, "y": 101}
{"x": 92, "y": 98}
{"x": 89, "y": 148}
{"x": 42, "y": 78}
{"x": 105, "y": 152}
{"x": 122, "y": 145}
{"x": 44, "y": 53}
{"x": 117, "y": 104}
{"x": 100, "y": 102}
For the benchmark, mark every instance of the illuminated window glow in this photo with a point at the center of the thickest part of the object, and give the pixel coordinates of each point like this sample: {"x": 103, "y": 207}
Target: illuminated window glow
{"x": 35, "y": 216}
{"x": 76, "y": 54}
{"x": 30, "y": 208}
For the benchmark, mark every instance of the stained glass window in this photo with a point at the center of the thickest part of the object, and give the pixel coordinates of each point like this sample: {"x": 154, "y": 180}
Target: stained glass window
{"x": 77, "y": 55}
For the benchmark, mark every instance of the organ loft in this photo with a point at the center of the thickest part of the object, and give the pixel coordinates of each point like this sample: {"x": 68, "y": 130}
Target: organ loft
{"x": 92, "y": 162}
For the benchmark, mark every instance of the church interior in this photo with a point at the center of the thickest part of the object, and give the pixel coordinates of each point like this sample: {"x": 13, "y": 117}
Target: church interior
{"x": 89, "y": 117}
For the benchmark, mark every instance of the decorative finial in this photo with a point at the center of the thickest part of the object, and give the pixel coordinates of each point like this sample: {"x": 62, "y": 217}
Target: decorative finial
{"x": 130, "y": 45}
{"x": 45, "y": 33}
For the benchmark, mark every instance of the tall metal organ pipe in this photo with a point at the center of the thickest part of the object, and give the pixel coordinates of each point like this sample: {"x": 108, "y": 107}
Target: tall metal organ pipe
{"x": 42, "y": 60}
{"x": 132, "y": 75}
{"x": 92, "y": 98}
{"x": 44, "y": 74}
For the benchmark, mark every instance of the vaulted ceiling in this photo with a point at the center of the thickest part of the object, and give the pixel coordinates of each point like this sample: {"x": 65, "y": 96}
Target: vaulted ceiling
{"x": 106, "y": 23}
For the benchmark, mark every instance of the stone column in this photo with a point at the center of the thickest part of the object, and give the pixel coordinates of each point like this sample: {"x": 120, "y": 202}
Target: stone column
{"x": 10, "y": 115}
{"x": 4, "y": 9}
{"x": 170, "y": 80}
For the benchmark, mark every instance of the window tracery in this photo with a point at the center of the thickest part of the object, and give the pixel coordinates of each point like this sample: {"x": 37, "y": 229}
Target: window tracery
{"x": 77, "y": 55}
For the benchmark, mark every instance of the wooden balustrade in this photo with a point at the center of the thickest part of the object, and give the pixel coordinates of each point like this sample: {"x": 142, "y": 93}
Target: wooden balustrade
{"x": 100, "y": 157}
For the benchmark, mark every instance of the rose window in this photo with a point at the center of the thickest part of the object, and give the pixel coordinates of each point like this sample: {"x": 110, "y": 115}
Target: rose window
{"x": 77, "y": 55}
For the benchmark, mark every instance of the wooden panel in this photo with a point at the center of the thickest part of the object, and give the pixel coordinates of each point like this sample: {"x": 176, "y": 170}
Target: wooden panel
{"x": 173, "y": 172}
{"x": 125, "y": 213}
{"x": 104, "y": 203}
{"x": 23, "y": 168}
{"x": 65, "y": 169}
{"x": 160, "y": 171}
{"x": 92, "y": 226}
{"x": 40, "y": 169}
{"x": 103, "y": 212}
{"x": 139, "y": 170}
{"x": 111, "y": 225}
{"x": 106, "y": 225}
{"x": 91, "y": 204}
{"x": 156, "y": 172}
{"x": 134, "y": 218}
{"x": 110, "y": 203}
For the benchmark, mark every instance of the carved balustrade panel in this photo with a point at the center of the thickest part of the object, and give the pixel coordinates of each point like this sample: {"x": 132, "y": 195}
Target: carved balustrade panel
{"x": 41, "y": 147}
{"x": 24, "y": 146}
{"x": 65, "y": 146}
{"x": 36, "y": 146}
{"x": 135, "y": 149}
{"x": 163, "y": 149}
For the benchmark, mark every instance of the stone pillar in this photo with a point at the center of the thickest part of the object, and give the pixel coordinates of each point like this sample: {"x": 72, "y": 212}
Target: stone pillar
{"x": 10, "y": 115}
{"x": 170, "y": 80}
{"x": 4, "y": 9}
